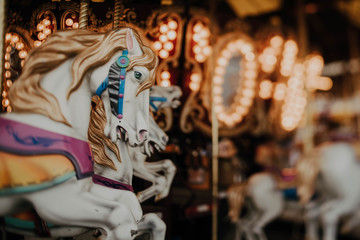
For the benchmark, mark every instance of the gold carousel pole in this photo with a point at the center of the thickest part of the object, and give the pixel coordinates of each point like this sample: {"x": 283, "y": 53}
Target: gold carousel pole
{"x": 117, "y": 12}
{"x": 303, "y": 49}
{"x": 84, "y": 12}
{"x": 215, "y": 142}
{"x": 2, "y": 42}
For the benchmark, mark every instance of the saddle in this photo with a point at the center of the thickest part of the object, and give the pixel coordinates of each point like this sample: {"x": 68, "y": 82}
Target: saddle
{"x": 32, "y": 158}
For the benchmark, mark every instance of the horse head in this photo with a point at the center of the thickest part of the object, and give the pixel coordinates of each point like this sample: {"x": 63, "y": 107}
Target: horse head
{"x": 161, "y": 97}
{"x": 126, "y": 89}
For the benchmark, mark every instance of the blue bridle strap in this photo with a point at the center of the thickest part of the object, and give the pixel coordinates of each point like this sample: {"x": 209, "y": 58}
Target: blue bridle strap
{"x": 122, "y": 62}
{"x": 156, "y": 99}
{"x": 102, "y": 87}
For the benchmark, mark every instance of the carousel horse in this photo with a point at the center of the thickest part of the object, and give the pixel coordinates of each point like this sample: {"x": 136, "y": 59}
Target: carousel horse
{"x": 160, "y": 97}
{"x": 46, "y": 162}
{"x": 332, "y": 170}
{"x": 113, "y": 169}
{"x": 267, "y": 196}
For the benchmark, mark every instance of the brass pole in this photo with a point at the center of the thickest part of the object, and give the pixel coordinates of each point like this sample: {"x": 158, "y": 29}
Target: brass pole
{"x": 117, "y": 14}
{"x": 303, "y": 51}
{"x": 84, "y": 12}
{"x": 354, "y": 52}
{"x": 215, "y": 138}
{"x": 2, "y": 42}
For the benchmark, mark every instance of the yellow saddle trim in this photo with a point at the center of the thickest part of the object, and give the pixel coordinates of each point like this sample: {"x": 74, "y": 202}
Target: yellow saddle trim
{"x": 18, "y": 170}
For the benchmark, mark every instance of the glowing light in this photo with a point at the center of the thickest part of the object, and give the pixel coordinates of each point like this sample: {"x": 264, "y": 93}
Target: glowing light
{"x": 276, "y": 41}
{"x": 5, "y": 102}
{"x": 266, "y": 87}
{"x": 157, "y": 45}
{"x": 76, "y": 25}
{"x": 194, "y": 86}
{"x": 41, "y": 36}
{"x": 195, "y": 77}
{"x": 19, "y": 45}
{"x": 250, "y": 56}
{"x": 22, "y": 54}
{"x": 198, "y": 27}
{"x": 7, "y": 56}
{"x": 200, "y": 58}
{"x": 205, "y": 33}
{"x": 163, "y": 54}
{"x": 172, "y": 24}
{"x": 163, "y": 28}
{"x": 196, "y": 37}
{"x": 47, "y": 31}
{"x": 15, "y": 39}
{"x": 9, "y": 83}
{"x": 69, "y": 22}
{"x": 163, "y": 38}
{"x": 165, "y": 75}
{"x": 7, "y": 74}
{"x": 280, "y": 91}
{"x": 37, "y": 43}
{"x": 222, "y": 61}
{"x": 46, "y": 22}
{"x": 7, "y": 65}
{"x": 207, "y": 51}
{"x": 165, "y": 83}
{"x": 172, "y": 35}
{"x": 8, "y": 37}
{"x": 168, "y": 46}
{"x": 197, "y": 49}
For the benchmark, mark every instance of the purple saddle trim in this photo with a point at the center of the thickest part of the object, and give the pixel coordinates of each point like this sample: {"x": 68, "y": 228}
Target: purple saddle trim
{"x": 23, "y": 139}
{"x": 107, "y": 182}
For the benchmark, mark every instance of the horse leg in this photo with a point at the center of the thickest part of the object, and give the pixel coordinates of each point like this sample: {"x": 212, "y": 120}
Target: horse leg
{"x": 169, "y": 169}
{"x": 248, "y": 224}
{"x": 125, "y": 197}
{"x": 158, "y": 181}
{"x": 312, "y": 221}
{"x": 68, "y": 205}
{"x": 155, "y": 223}
{"x": 269, "y": 211}
{"x": 331, "y": 213}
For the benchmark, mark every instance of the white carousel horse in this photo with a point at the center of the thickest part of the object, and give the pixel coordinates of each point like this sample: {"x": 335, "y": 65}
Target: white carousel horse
{"x": 265, "y": 202}
{"x": 160, "y": 97}
{"x": 114, "y": 170}
{"x": 268, "y": 195}
{"x": 51, "y": 111}
{"x": 149, "y": 171}
{"x": 333, "y": 171}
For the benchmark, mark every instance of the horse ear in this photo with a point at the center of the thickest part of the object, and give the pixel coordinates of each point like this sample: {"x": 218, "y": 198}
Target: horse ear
{"x": 132, "y": 44}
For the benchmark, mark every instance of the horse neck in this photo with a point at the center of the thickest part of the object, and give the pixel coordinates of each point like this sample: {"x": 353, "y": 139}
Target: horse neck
{"x": 124, "y": 169}
{"x": 76, "y": 108}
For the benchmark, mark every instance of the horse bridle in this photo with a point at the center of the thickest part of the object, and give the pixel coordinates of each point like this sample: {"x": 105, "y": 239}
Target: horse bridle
{"x": 122, "y": 62}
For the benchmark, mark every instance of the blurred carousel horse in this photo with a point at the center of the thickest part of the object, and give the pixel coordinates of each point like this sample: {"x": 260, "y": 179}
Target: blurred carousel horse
{"x": 333, "y": 171}
{"x": 267, "y": 196}
{"x": 51, "y": 113}
{"x": 160, "y": 97}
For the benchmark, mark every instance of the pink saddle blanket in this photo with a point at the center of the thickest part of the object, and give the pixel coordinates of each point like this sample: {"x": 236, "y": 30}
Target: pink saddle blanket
{"x": 23, "y": 139}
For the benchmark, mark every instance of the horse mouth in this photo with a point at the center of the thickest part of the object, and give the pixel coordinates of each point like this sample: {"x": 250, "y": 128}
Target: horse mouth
{"x": 153, "y": 146}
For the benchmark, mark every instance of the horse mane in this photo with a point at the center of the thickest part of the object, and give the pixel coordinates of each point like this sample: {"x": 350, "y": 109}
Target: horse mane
{"x": 89, "y": 50}
{"x": 97, "y": 138}
{"x": 307, "y": 170}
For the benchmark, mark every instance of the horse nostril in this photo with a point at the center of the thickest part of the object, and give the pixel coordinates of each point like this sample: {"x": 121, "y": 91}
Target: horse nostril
{"x": 143, "y": 135}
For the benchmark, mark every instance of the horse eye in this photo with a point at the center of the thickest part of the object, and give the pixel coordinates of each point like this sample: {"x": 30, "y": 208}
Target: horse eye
{"x": 137, "y": 75}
